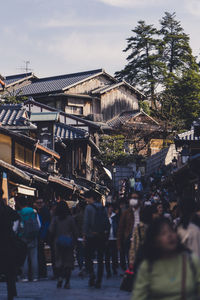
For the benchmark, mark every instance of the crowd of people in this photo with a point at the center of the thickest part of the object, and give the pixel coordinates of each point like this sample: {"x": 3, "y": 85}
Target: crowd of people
{"x": 147, "y": 232}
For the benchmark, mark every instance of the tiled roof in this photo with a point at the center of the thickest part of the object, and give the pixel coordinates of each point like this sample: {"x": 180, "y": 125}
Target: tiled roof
{"x": 69, "y": 132}
{"x": 13, "y": 78}
{"x": 121, "y": 119}
{"x": 55, "y": 83}
{"x": 13, "y": 115}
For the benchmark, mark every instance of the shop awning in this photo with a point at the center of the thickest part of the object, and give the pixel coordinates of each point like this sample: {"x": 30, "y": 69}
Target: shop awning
{"x": 69, "y": 184}
{"x": 63, "y": 182}
{"x": 15, "y": 171}
{"x": 91, "y": 185}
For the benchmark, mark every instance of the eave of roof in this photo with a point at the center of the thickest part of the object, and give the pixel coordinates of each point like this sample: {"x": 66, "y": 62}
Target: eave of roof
{"x": 119, "y": 120}
{"x": 107, "y": 88}
{"x": 62, "y": 181}
{"x": 143, "y": 112}
{"x": 20, "y": 80}
{"x": 65, "y": 95}
{"x": 78, "y": 119}
{"x": 14, "y": 170}
{"x": 102, "y": 72}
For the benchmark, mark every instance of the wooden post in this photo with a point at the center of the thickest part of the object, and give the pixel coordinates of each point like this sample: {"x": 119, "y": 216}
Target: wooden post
{"x": 5, "y": 187}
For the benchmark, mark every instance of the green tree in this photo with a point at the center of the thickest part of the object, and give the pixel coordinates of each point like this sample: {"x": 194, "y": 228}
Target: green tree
{"x": 187, "y": 91}
{"x": 13, "y": 97}
{"x": 161, "y": 62}
{"x": 145, "y": 67}
{"x": 177, "y": 53}
{"x": 113, "y": 150}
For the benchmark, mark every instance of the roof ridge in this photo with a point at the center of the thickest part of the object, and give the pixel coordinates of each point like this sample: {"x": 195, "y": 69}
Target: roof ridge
{"x": 17, "y": 75}
{"x": 72, "y": 74}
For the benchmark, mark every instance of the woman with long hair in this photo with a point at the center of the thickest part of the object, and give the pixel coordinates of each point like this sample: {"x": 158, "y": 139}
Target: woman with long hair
{"x": 64, "y": 233}
{"x": 168, "y": 271}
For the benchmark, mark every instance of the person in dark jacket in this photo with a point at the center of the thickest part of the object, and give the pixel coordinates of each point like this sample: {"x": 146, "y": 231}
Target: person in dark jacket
{"x": 111, "y": 251}
{"x": 44, "y": 216}
{"x": 8, "y": 259}
{"x": 128, "y": 220}
{"x": 96, "y": 228}
{"x": 64, "y": 231}
{"x": 80, "y": 249}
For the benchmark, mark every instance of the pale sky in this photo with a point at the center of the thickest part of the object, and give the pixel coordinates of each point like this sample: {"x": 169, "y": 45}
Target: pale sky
{"x": 66, "y": 36}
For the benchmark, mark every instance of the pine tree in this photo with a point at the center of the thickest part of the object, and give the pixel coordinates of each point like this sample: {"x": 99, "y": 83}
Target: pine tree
{"x": 177, "y": 53}
{"x": 144, "y": 68}
{"x": 162, "y": 65}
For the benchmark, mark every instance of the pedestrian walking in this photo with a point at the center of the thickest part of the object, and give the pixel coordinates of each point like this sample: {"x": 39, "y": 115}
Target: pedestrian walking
{"x": 138, "y": 186}
{"x": 111, "y": 251}
{"x": 44, "y": 216}
{"x": 138, "y": 237}
{"x": 167, "y": 271}
{"x": 64, "y": 233}
{"x": 8, "y": 259}
{"x": 80, "y": 248}
{"x": 189, "y": 232}
{"x": 128, "y": 220}
{"x": 131, "y": 184}
{"x": 96, "y": 228}
{"x": 28, "y": 231}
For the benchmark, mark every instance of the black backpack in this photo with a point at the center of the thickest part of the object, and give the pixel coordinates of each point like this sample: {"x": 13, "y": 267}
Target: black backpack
{"x": 101, "y": 223}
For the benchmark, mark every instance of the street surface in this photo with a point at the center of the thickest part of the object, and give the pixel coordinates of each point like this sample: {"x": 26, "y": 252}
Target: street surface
{"x": 46, "y": 290}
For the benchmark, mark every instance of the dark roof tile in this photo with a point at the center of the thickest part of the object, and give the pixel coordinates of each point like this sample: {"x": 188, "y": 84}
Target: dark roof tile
{"x": 69, "y": 132}
{"x": 13, "y": 115}
{"x": 121, "y": 119}
{"x": 55, "y": 83}
{"x": 14, "y": 78}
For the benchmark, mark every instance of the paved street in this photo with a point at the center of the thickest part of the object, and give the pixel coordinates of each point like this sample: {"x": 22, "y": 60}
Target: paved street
{"x": 46, "y": 290}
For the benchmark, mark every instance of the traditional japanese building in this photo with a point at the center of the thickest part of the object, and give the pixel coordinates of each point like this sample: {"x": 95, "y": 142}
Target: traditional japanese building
{"x": 93, "y": 94}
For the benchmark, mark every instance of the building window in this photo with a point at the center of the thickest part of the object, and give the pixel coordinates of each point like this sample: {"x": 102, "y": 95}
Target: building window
{"x": 23, "y": 155}
{"x": 37, "y": 161}
{"x": 76, "y": 110}
{"x": 19, "y": 153}
{"x": 28, "y": 157}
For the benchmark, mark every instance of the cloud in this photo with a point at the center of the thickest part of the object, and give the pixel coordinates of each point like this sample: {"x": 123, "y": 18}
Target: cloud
{"x": 77, "y": 23}
{"x": 132, "y": 3}
{"x": 193, "y": 7}
{"x": 88, "y": 51}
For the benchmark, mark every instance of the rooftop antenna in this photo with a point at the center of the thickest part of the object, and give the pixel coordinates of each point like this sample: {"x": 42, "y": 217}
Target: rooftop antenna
{"x": 25, "y": 68}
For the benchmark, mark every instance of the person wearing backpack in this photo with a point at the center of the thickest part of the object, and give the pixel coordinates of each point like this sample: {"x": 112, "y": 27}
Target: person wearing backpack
{"x": 28, "y": 231}
{"x": 96, "y": 227}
